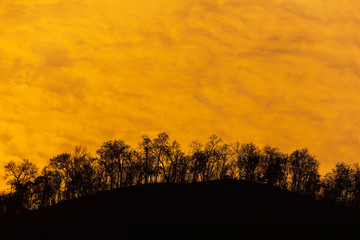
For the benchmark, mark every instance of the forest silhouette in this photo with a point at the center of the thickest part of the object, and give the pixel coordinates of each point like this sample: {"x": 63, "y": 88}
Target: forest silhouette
{"x": 117, "y": 165}
{"x": 216, "y": 186}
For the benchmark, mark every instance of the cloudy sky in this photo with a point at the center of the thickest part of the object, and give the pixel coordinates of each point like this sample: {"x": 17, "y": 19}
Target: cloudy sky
{"x": 285, "y": 73}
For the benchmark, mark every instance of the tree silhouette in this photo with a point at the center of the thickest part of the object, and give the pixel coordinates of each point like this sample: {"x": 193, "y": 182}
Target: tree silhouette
{"x": 20, "y": 177}
{"x": 83, "y": 174}
{"x": 216, "y": 153}
{"x": 304, "y": 171}
{"x": 174, "y": 155}
{"x": 113, "y": 158}
{"x": 146, "y": 158}
{"x": 249, "y": 157}
{"x": 61, "y": 169}
{"x": 339, "y": 185}
{"x": 177, "y": 169}
{"x": 46, "y": 188}
{"x": 198, "y": 162}
{"x": 161, "y": 150}
{"x": 274, "y": 167}
{"x": 76, "y": 171}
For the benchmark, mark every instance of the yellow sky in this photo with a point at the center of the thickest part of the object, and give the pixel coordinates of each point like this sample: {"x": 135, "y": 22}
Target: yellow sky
{"x": 285, "y": 73}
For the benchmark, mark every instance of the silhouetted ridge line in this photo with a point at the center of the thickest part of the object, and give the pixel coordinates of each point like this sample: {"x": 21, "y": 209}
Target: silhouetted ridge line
{"x": 221, "y": 206}
{"x": 160, "y": 160}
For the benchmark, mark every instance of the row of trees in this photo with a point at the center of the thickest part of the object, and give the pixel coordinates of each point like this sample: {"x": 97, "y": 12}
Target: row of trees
{"x": 77, "y": 174}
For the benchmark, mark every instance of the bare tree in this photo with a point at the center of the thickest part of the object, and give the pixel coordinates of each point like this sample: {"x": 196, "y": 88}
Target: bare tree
{"x": 20, "y": 177}
{"x": 161, "y": 150}
{"x": 198, "y": 162}
{"x": 113, "y": 157}
{"x": 249, "y": 156}
{"x": 217, "y": 154}
{"x": 146, "y": 158}
{"x": 61, "y": 167}
{"x": 304, "y": 171}
{"x": 83, "y": 174}
{"x": 274, "y": 167}
{"x": 338, "y": 185}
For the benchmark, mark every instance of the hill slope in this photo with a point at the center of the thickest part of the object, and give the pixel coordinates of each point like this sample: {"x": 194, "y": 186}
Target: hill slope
{"x": 217, "y": 207}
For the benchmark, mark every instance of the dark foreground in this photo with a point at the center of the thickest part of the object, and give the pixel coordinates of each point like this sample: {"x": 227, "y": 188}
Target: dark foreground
{"x": 219, "y": 208}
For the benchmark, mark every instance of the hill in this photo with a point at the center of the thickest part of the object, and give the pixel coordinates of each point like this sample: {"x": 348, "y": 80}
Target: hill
{"x": 206, "y": 208}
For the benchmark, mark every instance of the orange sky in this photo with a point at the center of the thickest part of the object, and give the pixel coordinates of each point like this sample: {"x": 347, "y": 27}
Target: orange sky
{"x": 285, "y": 73}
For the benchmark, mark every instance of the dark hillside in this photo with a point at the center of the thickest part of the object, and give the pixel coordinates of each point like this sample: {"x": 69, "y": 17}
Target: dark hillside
{"x": 215, "y": 207}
